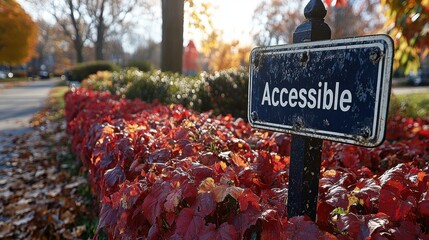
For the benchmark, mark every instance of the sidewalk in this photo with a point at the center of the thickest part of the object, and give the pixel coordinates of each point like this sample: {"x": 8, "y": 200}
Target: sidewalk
{"x": 40, "y": 185}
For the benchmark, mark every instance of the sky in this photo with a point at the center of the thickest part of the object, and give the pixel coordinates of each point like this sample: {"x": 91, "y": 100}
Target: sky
{"x": 233, "y": 17}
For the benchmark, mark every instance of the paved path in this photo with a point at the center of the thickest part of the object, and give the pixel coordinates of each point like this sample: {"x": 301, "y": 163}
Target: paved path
{"x": 17, "y": 106}
{"x": 408, "y": 90}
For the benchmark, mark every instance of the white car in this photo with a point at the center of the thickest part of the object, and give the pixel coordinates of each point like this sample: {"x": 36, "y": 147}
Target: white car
{"x": 2, "y": 75}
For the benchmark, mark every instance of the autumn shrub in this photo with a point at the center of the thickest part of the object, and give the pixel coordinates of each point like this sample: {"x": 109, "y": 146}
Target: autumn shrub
{"x": 223, "y": 92}
{"x": 83, "y": 70}
{"x": 101, "y": 81}
{"x": 144, "y": 66}
{"x": 166, "y": 172}
{"x": 164, "y": 87}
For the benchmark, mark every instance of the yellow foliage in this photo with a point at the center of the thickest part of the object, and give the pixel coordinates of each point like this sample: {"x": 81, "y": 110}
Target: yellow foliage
{"x": 228, "y": 55}
{"x": 18, "y": 34}
{"x": 407, "y": 22}
{"x": 219, "y": 54}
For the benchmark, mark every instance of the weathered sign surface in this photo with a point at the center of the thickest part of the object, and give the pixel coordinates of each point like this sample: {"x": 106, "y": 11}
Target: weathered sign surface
{"x": 336, "y": 90}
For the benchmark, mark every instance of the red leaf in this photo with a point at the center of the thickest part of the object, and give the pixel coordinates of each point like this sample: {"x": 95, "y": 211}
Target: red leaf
{"x": 337, "y": 196}
{"x": 328, "y": 2}
{"x": 337, "y": 3}
{"x": 407, "y": 230}
{"x": 188, "y": 224}
{"x": 238, "y": 160}
{"x": 424, "y": 204}
{"x": 208, "y": 158}
{"x": 341, "y": 3}
{"x": 114, "y": 176}
{"x": 159, "y": 156}
{"x": 302, "y": 228}
{"x": 224, "y": 232}
{"x": 153, "y": 233}
{"x": 390, "y": 202}
{"x": 173, "y": 200}
{"x": 369, "y": 191}
{"x": 152, "y": 205}
{"x": 245, "y": 220}
{"x": 108, "y": 216}
{"x": 395, "y": 176}
{"x": 220, "y": 192}
{"x": 424, "y": 133}
{"x": 273, "y": 227}
{"x": 248, "y": 197}
{"x": 362, "y": 226}
{"x": 200, "y": 172}
{"x": 205, "y": 204}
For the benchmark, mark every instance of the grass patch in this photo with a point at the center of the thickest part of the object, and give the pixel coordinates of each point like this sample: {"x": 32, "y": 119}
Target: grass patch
{"x": 414, "y": 105}
{"x": 57, "y": 95}
{"x": 14, "y": 80}
{"x": 55, "y": 105}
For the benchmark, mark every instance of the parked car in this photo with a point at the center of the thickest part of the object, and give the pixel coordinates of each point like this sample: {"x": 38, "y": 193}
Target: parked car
{"x": 3, "y": 75}
{"x": 420, "y": 77}
{"x": 43, "y": 74}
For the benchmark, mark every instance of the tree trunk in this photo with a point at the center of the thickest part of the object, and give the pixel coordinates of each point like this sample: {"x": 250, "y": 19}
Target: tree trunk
{"x": 78, "y": 42}
{"x": 79, "y": 53}
{"x": 172, "y": 35}
{"x": 101, "y": 30}
{"x": 99, "y": 44}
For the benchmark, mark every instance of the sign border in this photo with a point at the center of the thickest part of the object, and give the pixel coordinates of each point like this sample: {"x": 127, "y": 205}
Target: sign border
{"x": 383, "y": 88}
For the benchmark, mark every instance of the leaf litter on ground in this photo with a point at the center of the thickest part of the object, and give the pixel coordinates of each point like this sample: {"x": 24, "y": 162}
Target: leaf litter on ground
{"x": 40, "y": 190}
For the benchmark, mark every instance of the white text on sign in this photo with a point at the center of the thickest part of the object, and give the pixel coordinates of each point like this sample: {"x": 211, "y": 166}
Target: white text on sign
{"x": 320, "y": 98}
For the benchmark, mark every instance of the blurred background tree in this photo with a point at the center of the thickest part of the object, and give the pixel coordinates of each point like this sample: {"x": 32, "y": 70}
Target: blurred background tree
{"x": 408, "y": 24}
{"x": 353, "y": 18}
{"x": 96, "y": 22}
{"x": 217, "y": 53}
{"x": 18, "y": 34}
{"x": 102, "y": 29}
{"x": 276, "y": 20}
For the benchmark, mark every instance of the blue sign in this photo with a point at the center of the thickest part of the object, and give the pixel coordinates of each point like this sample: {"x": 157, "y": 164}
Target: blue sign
{"x": 336, "y": 90}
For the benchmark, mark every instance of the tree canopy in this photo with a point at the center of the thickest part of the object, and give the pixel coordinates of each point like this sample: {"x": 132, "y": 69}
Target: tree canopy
{"x": 276, "y": 20}
{"x": 92, "y": 22}
{"x": 408, "y": 24}
{"x": 18, "y": 34}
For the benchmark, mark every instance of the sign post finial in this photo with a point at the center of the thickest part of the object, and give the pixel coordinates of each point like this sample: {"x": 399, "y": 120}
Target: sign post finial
{"x": 315, "y": 9}
{"x": 314, "y": 28}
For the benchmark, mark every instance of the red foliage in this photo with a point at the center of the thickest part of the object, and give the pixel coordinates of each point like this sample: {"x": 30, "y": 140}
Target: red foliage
{"x": 337, "y": 3}
{"x": 164, "y": 172}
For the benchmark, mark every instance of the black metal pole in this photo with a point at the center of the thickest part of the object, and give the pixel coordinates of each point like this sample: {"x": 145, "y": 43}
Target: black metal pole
{"x": 306, "y": 152}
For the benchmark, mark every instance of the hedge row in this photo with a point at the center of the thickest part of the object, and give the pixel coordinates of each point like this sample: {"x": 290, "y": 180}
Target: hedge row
{"x": 83, "y": 70}
{"x": 166, "y": 172}
{"x": 223, "y": 92}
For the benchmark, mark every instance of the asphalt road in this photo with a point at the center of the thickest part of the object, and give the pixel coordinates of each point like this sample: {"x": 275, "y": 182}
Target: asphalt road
{"x": 17, "y": 106}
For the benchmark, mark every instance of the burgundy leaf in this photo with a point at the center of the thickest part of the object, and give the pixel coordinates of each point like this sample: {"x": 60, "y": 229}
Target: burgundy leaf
{"x": 159, "y": 156}
{"x": 188, "y": 224}
{"x": 224, "y": 232}
{"x": 153, "y": 203}
{"x": 205, "y": 204}
{"x": 108, "y": 216}
{"x": 114, "y": 176}
{"x": 393, "y": 205}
